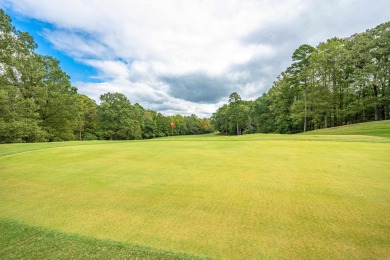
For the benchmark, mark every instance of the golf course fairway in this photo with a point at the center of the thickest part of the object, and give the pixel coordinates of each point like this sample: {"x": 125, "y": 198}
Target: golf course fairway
{"x": 245, "y": 197}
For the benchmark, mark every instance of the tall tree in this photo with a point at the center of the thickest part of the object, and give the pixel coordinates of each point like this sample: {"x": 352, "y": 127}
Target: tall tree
{"x": 19, "y": 121}
{"x": 58, "y": 102}
{"x": 37, "y": 86}
{"x": 301, "y": 70}
{"x": 235, "y": 110}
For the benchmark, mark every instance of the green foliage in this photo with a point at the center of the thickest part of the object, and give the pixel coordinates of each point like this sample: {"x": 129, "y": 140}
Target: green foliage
{"x": 87, "y": 118}
{"x": 117, "y": 117}
{"x": 119, "y": 120}
{"x": 261, "y": 115}
{"x": 233, "y": 118}
{"x": 37, "y": 101}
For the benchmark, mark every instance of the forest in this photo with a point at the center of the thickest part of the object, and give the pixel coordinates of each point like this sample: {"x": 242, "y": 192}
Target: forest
{"x": 339, "y": 82}
{"x": 38, "y": 102}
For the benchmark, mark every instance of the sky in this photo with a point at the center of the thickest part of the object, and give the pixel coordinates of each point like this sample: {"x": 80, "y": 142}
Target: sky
{"x": 184, "y": 57}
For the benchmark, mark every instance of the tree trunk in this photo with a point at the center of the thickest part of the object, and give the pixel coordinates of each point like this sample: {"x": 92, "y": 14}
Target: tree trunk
{"x": 335, "y": 112}
{"x": 383, "y": 106}
{"x": 364, "y": 106}
{"x": 376, "y": 113}
{"x": 305, "y": 120}
{"x": 341, "y": 105}
{"x": 387, "y": 107}
{"x": 326, "y": 120}
{"x": 226, "y": 127}
{"x": 238, "y": 130}
{"x": 375, "y": 88}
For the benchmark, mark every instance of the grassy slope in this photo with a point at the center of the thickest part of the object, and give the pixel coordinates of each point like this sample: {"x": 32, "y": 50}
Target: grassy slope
{"x": 378, "y": 128}
{"x": 233, "y": 197}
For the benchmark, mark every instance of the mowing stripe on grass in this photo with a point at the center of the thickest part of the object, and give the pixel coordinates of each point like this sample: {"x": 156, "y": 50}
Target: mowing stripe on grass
{"x": 19, "y": 241}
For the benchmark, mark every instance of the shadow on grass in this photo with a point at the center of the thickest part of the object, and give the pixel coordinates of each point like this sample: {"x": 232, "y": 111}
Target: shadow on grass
{"x": 19, "y": 241}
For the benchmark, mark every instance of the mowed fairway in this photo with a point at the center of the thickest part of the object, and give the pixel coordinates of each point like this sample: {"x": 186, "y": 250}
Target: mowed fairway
{"x": 255, "y": 196}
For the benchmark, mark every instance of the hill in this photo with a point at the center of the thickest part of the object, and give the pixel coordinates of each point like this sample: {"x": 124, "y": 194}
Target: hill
{"x": 377, "y": 128}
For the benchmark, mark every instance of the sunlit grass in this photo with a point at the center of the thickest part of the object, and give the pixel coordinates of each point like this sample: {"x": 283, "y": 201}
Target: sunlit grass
{"x": 378, "y": 128}
{"x": 225, "y": 197}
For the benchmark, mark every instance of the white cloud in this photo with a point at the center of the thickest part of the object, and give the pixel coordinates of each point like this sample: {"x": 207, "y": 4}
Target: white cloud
{"x": 77, "y": 45}
{"x": 241, "y": 45}
{"x": 109, "y": 69}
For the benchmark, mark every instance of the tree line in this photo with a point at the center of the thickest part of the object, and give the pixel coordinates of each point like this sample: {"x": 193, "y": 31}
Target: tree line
{"x": 38, "y": 102}
{"x": 339, "y": 82}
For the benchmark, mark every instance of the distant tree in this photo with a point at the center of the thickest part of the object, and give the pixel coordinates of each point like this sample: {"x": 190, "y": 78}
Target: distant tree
{"x": 87, "y": 118}
{"x": 283, "y": 94}
{"x": 163, "y": 125}
{"x": 180, "y": 125}
{"x": 115, "y": 116}
{"x": 206, "y": 126}
{"x": 149, "y": 129}
{"x": 193, "y": 125}
{"x": 236, "y": 110}
{"x": 261, "y": 115}
{"x": 232, "y": 118}
{"x": 220, "y": 119}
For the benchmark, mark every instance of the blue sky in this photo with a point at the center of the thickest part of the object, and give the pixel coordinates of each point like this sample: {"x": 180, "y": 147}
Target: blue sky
{"x": 184, "y": 57}
{"x": 78, "y": 71}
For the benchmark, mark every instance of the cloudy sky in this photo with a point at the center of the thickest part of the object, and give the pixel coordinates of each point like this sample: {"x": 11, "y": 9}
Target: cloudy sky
{"x": 184, "y": 56}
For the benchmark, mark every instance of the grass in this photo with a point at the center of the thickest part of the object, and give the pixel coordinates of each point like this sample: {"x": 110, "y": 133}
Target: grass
{"x": 255, "y": 196}
{"x": 18, "y": 241}
{"x": 378, "y": 128}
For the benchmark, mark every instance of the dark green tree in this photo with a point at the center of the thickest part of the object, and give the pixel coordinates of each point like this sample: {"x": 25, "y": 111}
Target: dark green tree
{"x": 301, "y": 73}
{"x": 236, "y": 111}
{"x": 263, "y": 121}
{"x": 43, "y": 104}
{"x": 87, "y": 118}
{"x": 116, "y": 119}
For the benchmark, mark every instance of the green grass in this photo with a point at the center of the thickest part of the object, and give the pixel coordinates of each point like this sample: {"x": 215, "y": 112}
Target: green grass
{"x": 255, "y": 196}
{"x": 18, "y": 241}
{"x": 378, "y": 128}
